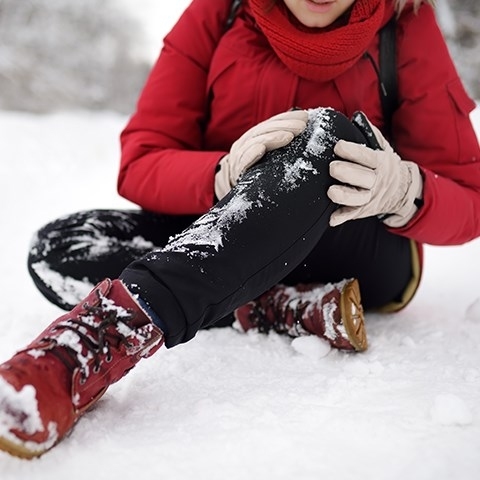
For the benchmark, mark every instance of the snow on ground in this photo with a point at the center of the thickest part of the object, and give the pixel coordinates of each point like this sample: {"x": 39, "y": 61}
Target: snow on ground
{"x": 236, "y": 406}
{"x": 229, "y": 405}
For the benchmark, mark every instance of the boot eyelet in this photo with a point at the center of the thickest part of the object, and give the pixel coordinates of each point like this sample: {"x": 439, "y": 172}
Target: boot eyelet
{"x": 83, "y": 380}
{"x": 96, "y": 368}
{"x": 109, "y": 358}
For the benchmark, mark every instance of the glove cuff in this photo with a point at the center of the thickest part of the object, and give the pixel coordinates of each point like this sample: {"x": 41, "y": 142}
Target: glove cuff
{"x": 222, "y": 178}
{"x": 407, "y": 207}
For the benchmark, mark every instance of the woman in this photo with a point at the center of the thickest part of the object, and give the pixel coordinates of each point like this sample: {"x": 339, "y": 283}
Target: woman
{"x": 281, "y": 206}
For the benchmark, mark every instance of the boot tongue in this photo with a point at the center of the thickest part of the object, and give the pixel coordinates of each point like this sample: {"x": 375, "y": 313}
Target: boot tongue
{"x": 129, "y": 304}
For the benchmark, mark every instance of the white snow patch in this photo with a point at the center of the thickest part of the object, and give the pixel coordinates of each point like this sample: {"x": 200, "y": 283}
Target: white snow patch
{"x": 209, "y": 230}
{"x": 19, "y": 409}
{"x": 200, "y": 409}
{"x": 295, "y": 172}
{"x": 312, "y": 297}
{"x": 321, "y": 131}
{"x": 311, "y": 347}
{"x": 70, "y": 339}
{"x": 140, "y": 243}
{"x": 449, "y": 409}
{"x": 36, "y": 353}
{"x": 70, "y": 290}
{"x": 328, "y": 312}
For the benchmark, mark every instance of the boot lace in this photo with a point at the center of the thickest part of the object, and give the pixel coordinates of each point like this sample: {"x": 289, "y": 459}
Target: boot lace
{"x": 98, "y": 343}
{"x": 274, "y": 314}
{"x": 297, "y": 312}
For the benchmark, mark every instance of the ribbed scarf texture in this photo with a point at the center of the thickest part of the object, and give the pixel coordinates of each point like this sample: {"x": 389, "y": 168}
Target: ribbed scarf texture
{"x": 320, "y": 54}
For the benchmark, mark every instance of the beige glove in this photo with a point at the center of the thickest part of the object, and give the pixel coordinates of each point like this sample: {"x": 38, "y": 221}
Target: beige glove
{"x": 378, "y": 182}
{"x": 268, "y": 135}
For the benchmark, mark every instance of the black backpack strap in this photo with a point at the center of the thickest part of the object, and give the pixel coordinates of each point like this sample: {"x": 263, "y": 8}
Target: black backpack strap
{"x": 233, "y": 11}
{"x": 388, "y": 73}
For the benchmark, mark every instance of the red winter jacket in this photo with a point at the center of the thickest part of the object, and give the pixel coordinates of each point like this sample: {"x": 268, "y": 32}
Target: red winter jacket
{"x": 206, "y": 89}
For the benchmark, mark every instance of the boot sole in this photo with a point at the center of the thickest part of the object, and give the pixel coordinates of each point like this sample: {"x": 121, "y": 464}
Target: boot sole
{"x": 352, "y": 316}
{"x": 19, "y": 451}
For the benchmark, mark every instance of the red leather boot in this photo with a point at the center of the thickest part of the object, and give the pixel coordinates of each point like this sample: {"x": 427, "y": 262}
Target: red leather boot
{"x": 333, "y": 312}
{"x": 46, "y": 388}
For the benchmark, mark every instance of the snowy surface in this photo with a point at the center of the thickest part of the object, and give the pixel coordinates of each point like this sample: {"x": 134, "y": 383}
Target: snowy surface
{"x": 244, "y": 406}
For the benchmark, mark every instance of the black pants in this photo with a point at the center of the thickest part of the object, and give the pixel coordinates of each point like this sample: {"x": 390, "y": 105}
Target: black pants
{"x": 272, "y": 227}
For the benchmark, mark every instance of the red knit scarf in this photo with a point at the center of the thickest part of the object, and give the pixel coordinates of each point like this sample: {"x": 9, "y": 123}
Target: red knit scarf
{"x": 315, "y": 53}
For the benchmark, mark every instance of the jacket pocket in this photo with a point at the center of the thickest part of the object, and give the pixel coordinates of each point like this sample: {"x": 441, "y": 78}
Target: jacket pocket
{"x": 462, "y": 106}
{"x": 459, "y": 97}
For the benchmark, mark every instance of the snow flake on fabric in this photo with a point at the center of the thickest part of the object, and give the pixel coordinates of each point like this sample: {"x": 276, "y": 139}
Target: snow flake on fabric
{"x": 293, "y": 165}
{"x": 36, "y": 353}
{"x": 70, "y": 339}
{"x": 320, "y": 129}
{"x": 207, "y": 233}
{"x": 84, "y": 236}
{"x": 319, "y": 132}
{"x": 296, "y": 173}
{"x": 311, "y": 298}
{"x": 19, "y": 409}
{"x": 71, "y": 291}
{"x": 328, "y": 311}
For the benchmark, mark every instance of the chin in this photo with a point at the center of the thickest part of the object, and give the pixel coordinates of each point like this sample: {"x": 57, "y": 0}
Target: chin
{"x": 313, "y": 23}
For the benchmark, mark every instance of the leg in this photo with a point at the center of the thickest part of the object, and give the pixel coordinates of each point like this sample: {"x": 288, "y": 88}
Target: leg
{"x": 48, "y": 385}
{"x": 380, "y": 260}
{"x": 72, "y": 254}
{"x": 250, "y": 240}
{"x": 332, "y": 311}
{"x": 324, "y": 296}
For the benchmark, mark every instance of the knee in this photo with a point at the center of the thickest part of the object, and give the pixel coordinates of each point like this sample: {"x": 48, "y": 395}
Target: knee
{"x": 327, "y": 126}
{"x": 306, "y": 159}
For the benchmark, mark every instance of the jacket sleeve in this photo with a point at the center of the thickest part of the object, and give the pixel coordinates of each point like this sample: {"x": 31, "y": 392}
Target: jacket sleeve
{"x": 163, "y": 165}
{"x": 433, "y": 128}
